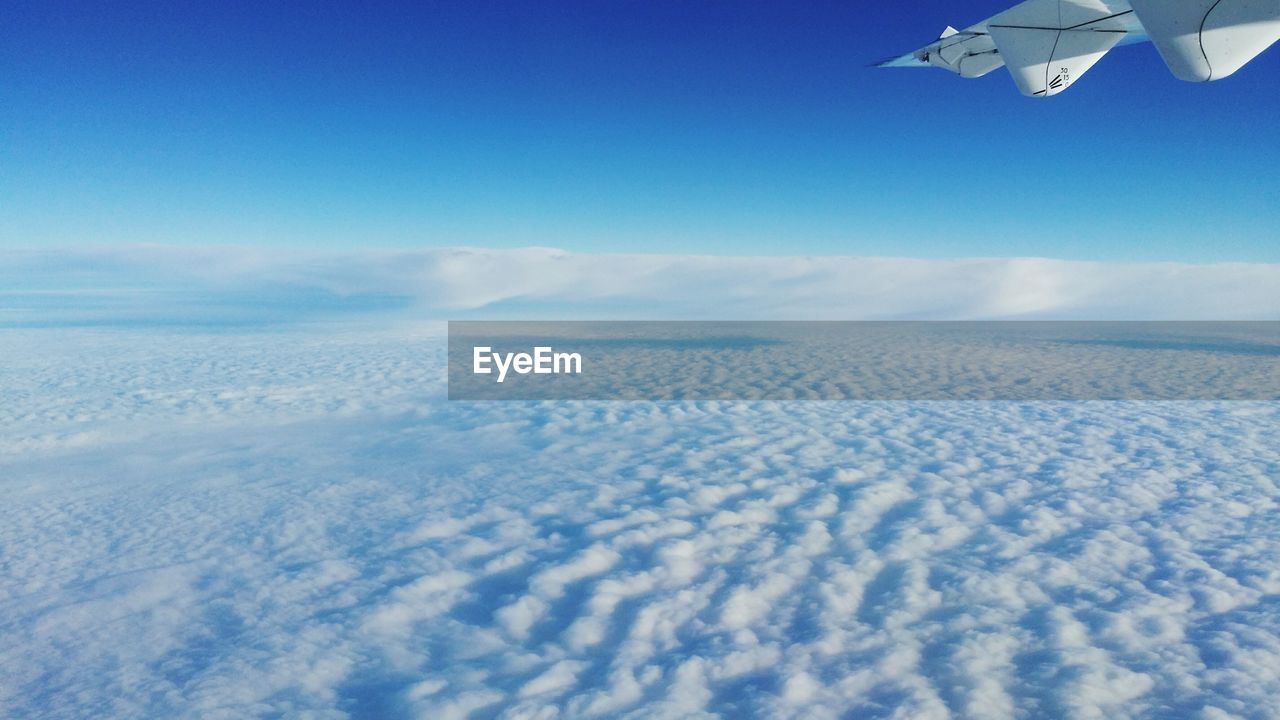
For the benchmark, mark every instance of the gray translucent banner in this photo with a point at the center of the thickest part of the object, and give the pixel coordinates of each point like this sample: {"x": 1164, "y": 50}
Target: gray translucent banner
{"x": 1015, "y": 361}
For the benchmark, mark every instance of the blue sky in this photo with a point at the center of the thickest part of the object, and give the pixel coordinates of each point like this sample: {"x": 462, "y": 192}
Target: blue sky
{"x": 721, "y": 128}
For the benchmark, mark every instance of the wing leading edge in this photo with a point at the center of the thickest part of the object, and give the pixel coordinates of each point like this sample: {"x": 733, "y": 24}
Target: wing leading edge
{"x": 1048, "y": 44}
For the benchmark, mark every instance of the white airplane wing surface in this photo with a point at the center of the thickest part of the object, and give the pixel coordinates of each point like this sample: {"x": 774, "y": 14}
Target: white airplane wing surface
{"x": 1048, "y": 44}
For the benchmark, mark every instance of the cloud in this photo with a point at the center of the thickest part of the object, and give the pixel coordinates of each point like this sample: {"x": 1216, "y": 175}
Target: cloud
{"x": 232, "y": 545}
{"x": 246, "y": 284}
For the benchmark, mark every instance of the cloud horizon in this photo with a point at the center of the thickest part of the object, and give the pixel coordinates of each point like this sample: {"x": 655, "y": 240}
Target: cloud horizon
{"x": 243, "y": 284}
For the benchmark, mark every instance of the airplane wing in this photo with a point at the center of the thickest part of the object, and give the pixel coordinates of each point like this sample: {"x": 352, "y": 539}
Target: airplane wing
{"x": 1048, "y": 44}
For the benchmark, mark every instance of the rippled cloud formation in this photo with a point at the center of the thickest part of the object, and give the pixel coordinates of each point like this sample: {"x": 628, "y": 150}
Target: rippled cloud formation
{"x": 237, "y": 523}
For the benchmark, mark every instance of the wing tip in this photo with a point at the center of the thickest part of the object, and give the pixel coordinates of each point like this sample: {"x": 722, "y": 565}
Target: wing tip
{"x": 910, "y": 59}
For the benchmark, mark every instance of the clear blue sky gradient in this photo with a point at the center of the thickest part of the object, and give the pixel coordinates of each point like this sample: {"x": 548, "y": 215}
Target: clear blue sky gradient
{"x": 646, "y": 126}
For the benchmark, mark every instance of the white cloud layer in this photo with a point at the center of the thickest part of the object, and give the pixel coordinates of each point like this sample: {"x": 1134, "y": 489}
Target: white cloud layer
{"x": 292, "y": 523}
{"x": 244, "y": 283}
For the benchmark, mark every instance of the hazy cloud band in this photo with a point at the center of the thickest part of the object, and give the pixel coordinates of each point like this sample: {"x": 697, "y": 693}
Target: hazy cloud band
{"x": 178, "y": 283}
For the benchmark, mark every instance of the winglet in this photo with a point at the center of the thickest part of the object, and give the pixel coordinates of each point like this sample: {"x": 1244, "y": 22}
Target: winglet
{"x": 948, "y": 33}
